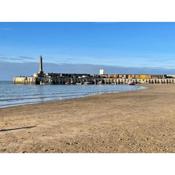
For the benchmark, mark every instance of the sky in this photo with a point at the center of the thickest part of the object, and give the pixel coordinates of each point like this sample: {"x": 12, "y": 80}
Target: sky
{"x": 116, "y": 44}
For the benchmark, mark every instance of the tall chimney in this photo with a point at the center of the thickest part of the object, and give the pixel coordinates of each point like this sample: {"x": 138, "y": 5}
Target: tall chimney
{"x": 41, "y": 65}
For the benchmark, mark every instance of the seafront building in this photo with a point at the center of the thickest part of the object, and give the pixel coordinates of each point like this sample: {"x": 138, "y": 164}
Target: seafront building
{"x": 102, "y": 72}
{"x": 102, "y": 78}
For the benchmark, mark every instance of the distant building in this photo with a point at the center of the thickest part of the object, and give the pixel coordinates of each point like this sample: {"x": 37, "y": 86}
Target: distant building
{"x": 170, "y": 76}
{"x": 102, "y": 72}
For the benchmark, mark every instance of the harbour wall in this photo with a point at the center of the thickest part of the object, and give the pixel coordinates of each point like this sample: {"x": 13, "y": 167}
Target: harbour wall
{"x": 89, "y": 80}
{"x": 70, "y": 78}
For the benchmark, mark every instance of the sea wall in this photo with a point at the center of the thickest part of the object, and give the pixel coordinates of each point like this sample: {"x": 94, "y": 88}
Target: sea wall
{"x": 90, "y": 80}
{"x": 24, "y": 80}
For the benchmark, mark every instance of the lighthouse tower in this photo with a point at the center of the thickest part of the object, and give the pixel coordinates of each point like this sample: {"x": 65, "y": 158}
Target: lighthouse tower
{"x": 41, "y": 72}
{"x": 40, "y": 76}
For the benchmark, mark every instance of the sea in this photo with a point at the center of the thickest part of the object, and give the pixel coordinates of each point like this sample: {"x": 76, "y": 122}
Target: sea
{"x": 15, "y": 95}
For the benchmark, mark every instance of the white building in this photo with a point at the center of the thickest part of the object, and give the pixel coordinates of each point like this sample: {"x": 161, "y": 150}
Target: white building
{"x": 102, "y": 72}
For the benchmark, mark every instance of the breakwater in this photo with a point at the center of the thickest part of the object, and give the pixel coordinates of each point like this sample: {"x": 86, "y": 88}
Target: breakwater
{"x": 73, "y": 78}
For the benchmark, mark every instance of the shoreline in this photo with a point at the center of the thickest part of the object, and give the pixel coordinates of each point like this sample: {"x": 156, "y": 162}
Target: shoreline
{"x": 73, "y": 98}
{"x": 135, "y": 121}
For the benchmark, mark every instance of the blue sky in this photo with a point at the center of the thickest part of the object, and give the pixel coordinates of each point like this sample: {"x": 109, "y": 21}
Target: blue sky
{"x": 118, "y": 44}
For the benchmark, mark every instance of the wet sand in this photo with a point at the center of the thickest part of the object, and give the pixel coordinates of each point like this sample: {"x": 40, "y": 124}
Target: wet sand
{"x": 140, "y": 121}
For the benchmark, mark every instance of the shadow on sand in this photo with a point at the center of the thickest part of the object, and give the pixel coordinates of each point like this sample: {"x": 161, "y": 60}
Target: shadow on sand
{"x": 13, "y": 129}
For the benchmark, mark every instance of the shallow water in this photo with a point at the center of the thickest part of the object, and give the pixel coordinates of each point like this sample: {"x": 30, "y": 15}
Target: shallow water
{"x": 14, "y": 95}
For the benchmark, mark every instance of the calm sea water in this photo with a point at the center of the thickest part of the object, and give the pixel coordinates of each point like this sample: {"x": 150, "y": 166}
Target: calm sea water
{"x": 14, "y": 95}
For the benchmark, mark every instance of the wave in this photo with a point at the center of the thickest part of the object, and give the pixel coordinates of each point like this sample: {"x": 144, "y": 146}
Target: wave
{"x": 13, "y": 95}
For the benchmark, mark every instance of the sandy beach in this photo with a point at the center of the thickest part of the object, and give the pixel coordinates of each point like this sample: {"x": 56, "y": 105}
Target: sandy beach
{"x": 139, "y": 121}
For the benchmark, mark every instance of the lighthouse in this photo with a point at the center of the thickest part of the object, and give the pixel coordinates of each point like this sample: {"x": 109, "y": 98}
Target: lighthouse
{"x": 39, "y": 77}
{"x": 41, "y": 66}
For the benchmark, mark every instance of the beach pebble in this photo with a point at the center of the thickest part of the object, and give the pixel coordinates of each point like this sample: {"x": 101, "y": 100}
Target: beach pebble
{"x": 147, "y": 138}
{"x": 68, "y": 143}
{"x": 3, "y": 150}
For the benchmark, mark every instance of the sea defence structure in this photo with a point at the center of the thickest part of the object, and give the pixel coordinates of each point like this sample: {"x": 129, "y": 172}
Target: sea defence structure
{"x": 102, "y": 78}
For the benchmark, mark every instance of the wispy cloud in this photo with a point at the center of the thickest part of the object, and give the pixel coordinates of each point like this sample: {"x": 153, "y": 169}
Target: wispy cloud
{"x": 135, "y": 62}
{"x": 16, "y": 59}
